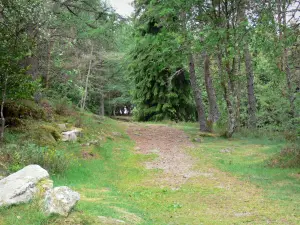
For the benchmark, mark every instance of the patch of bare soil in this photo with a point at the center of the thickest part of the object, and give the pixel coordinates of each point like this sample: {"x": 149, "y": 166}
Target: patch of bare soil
{"x": 169, "y": 144}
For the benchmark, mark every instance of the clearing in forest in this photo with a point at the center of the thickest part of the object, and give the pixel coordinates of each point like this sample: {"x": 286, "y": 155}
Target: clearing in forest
{"x": 155, "y": 175}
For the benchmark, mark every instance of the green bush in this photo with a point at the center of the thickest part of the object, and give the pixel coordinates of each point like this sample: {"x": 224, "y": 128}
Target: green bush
{"x": 289, "y": 157}
{"x": 23, "y": 109}
{"x": 292, "y": 132}
{"x": 63, "y": 106}
{"x": 16, "y": 157}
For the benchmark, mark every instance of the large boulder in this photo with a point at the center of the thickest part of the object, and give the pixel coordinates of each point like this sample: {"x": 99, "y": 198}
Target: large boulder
{"x": 60, "y": 200}
{"x": 24, "y": 185}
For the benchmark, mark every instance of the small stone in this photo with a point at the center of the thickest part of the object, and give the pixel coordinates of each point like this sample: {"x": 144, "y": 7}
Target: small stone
{"x": 94, "y": 142}
{"x": 62, "y": 127}
{"x": 197, "y": 140}
{"x": 155, "y": 151}
{"x": 60, "y": 200}
{"x": 69, "y": 136}
{"x": 226, "y": 150}
{"x": 72, "y": 134}
{"x": 137, "y": 148}
{"x": 117, "y": 134}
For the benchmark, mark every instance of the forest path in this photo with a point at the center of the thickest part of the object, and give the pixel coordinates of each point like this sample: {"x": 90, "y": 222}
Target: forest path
{"x": 169, "y": 144}
{"x": 194, "y": 190}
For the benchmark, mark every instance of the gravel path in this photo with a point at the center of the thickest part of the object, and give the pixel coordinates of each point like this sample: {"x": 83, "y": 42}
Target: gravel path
{"x": 169, "y": 144}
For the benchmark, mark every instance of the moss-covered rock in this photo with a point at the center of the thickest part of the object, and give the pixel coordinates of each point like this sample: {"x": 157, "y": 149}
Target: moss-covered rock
{"x": 46, "y": 135}
{"x": 23, "y": 109}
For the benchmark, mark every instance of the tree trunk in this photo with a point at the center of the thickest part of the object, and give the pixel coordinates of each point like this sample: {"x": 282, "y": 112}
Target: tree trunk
{"x": 87, "y": 82}
{"x": 2, "y": 128}
{"x": 214, "y": 113}
{"x": 48, "y": 64}
{"x": 249, "y": 72}
{"x": 102, "y": 112}
{"x": 250, "y": 88}
{"x": 286, "y": 64}
{"x": 231, "y": 123}
{"x": 238, "y": 96}
{"x": 197, "y": 95}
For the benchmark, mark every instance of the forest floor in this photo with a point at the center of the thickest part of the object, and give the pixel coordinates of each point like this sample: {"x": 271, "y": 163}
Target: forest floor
{"x": 157, "y": 174}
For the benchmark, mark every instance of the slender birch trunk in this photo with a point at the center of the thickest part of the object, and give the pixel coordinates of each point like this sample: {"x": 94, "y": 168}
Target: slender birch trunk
{"x": 87, "y": 81}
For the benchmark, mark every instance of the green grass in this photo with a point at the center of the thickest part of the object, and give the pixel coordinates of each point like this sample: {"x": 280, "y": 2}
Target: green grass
{"x": 115, "y": 184}
{"x": 248, "y": 161}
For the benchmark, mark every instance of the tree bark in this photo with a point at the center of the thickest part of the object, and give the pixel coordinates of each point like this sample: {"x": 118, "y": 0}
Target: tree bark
{"x": 249, "y": 72}
{"x": 2, "y": 128}
{"x": 250, "y": 88}
{"x": 48, "y": 64}
{"x": 286, "y": 63}
{"x": 214, "y": 113}
{"x": 102, "y": 111}
{"x": 197, "y": 95}
{"x": 238, "y": 96}
{"x": 231, "y": 123}
{"x": 87, "y": 81}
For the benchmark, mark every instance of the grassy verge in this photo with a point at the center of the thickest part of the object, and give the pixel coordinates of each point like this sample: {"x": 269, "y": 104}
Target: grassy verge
{"x": 233, "y": 186}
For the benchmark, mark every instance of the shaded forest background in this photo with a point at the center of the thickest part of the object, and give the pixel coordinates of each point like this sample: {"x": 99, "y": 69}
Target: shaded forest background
{"x": 230, "y": 65}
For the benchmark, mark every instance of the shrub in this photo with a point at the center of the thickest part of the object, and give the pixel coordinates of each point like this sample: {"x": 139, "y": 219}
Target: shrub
{"x": 23, "y": 109}
{"x": 292, "y": 132}
{"x": 63, "y": 106}
{"x": 47, "y": 107}
{"x": 14, "y": 122}
{"x": 289, "y": 157}
{"x": 16, "y": 157}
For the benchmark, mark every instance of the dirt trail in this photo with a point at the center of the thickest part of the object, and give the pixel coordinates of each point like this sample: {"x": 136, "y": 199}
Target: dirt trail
{"x": 169, "y": 144}
{"x": 209, "y": 196}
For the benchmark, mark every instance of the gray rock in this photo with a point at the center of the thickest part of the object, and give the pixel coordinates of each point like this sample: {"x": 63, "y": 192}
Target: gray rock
{"x": 117, "y": 134}
{"x": 197, "y": 140}
{"x": 24, "y": 185}
{"x": 62, "y": 127}
{"x": 60, "y": 200}
{"x": 72, "y": 134}
{"x": 69, "y": 136}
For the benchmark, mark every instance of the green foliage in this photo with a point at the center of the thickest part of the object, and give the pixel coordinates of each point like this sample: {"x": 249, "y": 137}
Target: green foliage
{"x": 16, "y": 157}
{"x": 62, "y": 106}
{"x": 162, "y": 88}
{"x": 289, "y": 157}
{"x": 23, "y": 109}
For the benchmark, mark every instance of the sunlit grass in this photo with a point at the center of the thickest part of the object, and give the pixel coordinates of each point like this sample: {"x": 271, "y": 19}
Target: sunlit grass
{"x": 232, "y": 188}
